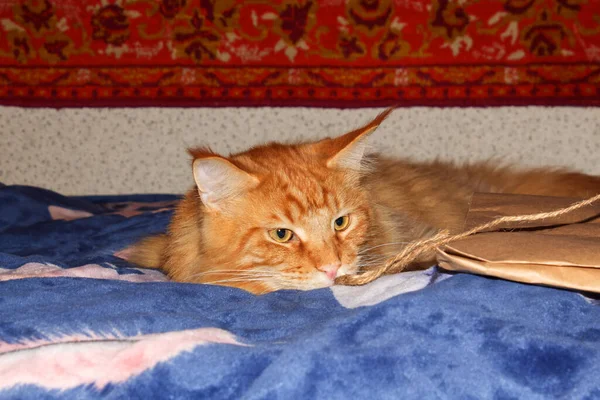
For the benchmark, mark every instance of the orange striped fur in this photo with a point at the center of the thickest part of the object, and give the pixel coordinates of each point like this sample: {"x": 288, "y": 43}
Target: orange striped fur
{"x": 219, "y": 233}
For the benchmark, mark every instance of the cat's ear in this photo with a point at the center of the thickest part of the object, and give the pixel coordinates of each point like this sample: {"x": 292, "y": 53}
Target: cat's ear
{"x": 218, "y": 179}
{"x": 348, "y": 150}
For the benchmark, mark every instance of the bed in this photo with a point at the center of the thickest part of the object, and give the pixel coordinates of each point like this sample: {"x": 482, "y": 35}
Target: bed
{"x": 78, "y": 321}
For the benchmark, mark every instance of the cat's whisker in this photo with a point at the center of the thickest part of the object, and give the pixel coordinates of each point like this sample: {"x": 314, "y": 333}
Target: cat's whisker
{"x": 373, "y": 264}
{"x": 377, "y": 255}
{"x": 371, "y": 260}
{"x": 238, "y": 279}
{"x": 235, "y": 280}
{"x": 370, "y": 264}
{"x": 238, "y": 273}
{"x": 381, "y": 245}
{"x": 209, "y": 274}
{"x": 228, "y": 271}
{"x": 274, "y": 282}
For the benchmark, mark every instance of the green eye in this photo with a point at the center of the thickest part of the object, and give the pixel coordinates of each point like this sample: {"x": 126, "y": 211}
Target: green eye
{"x": 341, "y": 223}
{"x": 281, "y": 235}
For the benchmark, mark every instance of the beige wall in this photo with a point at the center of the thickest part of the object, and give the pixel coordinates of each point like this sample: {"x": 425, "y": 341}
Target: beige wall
{"x": 104, "y": 151}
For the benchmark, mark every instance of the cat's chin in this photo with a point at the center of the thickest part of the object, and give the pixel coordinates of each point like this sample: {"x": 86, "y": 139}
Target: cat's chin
{"x": 319, "y": 281}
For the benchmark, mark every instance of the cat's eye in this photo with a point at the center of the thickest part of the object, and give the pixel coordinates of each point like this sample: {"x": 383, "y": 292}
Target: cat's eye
{"x": 341, "y": 223}
{"x": 281, "y": 235}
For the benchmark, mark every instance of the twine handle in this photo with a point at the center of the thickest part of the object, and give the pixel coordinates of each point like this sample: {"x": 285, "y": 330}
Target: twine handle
{"x": 418, "y": 247}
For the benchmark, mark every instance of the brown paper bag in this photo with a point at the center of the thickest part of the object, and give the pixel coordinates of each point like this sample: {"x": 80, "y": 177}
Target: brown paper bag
{"x": 562, "y": 252}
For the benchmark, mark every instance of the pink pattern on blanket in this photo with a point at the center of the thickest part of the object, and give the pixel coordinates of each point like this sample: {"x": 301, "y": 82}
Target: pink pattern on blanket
{"x": 128, "y": 210}
{"x": 66, "y": 214}
{"x": 95, "y": 271}
{"x": 71, "y": 361}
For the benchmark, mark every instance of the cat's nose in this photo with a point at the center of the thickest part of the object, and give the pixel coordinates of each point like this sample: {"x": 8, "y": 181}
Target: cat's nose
{"x": 330, "y": 269}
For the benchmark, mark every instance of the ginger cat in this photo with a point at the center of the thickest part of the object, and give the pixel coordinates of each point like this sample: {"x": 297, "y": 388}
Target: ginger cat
{"x": 298, "y": 216}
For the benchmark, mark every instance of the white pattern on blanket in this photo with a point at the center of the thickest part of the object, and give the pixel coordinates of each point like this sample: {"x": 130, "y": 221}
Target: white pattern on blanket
{"x": 70, "y": 361}
{"x": 94, "y": 271}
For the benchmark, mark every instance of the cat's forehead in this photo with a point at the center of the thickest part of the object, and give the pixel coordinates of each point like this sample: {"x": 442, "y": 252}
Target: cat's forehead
{"x": 316, "y": 190}
{"x": 275, "y": 156}
{"x": 308, "y": 201}
{"x": 287, "y": 166}
{"x": 307, "y": 209}
{"x": 296, "y": 180}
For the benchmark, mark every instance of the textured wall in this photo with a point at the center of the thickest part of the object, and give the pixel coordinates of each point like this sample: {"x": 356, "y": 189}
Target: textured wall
{"x": 95, "y": 151}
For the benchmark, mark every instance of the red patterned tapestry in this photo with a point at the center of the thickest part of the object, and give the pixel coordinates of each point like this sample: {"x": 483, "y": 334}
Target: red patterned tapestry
{"x": 330, "y": 53}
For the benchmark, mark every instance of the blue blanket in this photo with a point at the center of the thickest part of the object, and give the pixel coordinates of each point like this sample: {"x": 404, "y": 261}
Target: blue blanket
{"x": 78, "y": 321}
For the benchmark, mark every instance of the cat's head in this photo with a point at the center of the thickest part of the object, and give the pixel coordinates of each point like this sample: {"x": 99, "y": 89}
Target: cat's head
{"x": 283, "y": 216}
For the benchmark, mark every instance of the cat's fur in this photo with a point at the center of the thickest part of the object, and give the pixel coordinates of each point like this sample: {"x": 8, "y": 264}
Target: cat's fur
{"x": 219, "y": 233}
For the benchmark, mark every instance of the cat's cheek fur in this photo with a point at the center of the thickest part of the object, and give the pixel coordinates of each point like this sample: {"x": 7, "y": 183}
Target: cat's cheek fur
{"x": 347, "y": 269}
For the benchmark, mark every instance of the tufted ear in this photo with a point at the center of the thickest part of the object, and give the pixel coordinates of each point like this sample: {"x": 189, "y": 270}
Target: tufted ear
{"x": 347, "y": 151}
{"x": 218, "y": 179}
